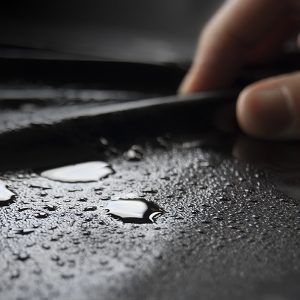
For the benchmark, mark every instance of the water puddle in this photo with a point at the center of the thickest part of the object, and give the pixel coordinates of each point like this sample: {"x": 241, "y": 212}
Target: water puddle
{"x": 134, "y": 210}
{"x": 83, "y": 172}
{"x": 5, "y": 194}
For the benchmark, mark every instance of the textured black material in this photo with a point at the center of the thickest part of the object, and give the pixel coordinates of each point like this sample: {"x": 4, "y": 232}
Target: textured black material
{"x": 230, "y": 229}
{"x": 227, "y": 231}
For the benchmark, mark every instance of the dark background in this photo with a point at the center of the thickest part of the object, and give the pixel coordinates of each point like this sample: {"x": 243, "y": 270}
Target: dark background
{"x": 154, "y": 31}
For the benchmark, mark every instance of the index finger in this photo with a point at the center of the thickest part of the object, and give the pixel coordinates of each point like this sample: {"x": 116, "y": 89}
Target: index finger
{"x": 238, "y": 26}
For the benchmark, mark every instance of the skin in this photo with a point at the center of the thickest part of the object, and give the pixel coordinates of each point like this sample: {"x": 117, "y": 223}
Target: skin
{"x": 243, "y": 32}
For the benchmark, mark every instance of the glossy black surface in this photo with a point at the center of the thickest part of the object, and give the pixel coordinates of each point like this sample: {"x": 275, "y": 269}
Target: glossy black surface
{"x": 230, "y": 226}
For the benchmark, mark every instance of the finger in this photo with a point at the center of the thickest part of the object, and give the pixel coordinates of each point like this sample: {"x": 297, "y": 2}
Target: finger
{"x": 223, "y": 46}
{"x": 270, "y": 109}
{"x": 273, "y": 44}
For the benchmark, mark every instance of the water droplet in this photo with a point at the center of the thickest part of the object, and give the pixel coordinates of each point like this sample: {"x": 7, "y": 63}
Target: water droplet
{"x": 135, "y": 153}
{"x": 15, "y": 274}
{"x": 204, "y": 164}
{"x": 74, "y": 190}
{"x": 205, "y": 221}
{"x": 82, "y": 199}
{"x": 83, "y": 172}
{"x": 30, "y": 244}
{"x": 42, "y": 186}
{"x": 23, "y": 208}
{"x": 150, "y": 191}
{"x": 103, "y": 262}
{"x": 67, "y": 275}
{"x": 50, "y": 207}
{"x": 60, "y": 263}
{"x": 43, "y": 194}
{"x": 134, "y": 210}
{"x": 23, "y": 256}
{"x": 162, "y": 142}
{"x": 222, "y": 198}
{"x": 55, "y": 238}
{"x": 203, "y": 187}
{"x": 90, "y": 208}
{"x": 5, "y": 194}
{"x": 55, "y": 257}
{"x": 24, "y": 231}
{"x": 41, "y": 215}
{"x": 192, "y": 144}
{"x": 218, "y": 218}
{"x": 103, "y": 141}
{"x": 46, "y": 246}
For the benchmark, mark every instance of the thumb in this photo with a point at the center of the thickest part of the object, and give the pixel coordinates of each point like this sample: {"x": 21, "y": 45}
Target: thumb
{"x": 270, "y": 109}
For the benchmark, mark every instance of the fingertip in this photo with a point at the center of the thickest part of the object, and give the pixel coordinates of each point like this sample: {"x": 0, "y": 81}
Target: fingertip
{"x": 244, "y": 111}
{"x": 263, "y": 112}
{"x": 185, "y": 87}
{"x": 201, "y": 77}
{"x": 195, "y": 80}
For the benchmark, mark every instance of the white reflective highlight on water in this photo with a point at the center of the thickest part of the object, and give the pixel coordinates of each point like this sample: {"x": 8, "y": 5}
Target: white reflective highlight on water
{"x": 127, "y": 208}
{"x": 5, "y": 194}
{"x": 134, "y": 210}
{"x": 83, "y": 172}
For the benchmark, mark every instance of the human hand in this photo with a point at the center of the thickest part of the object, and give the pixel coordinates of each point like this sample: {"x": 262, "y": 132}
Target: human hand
{"x": 243, "y": 32}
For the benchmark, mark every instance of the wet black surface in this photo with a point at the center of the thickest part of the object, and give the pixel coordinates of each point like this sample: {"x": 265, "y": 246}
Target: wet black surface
{"x": 231, "y": 213}
{"x": 228, "y": 231}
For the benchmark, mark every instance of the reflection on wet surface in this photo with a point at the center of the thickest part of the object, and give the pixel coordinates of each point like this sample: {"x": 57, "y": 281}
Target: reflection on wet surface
{"x": 83, "y": 172}
{"x": 282, "y": 159}
{"x": 5, "y": 194}
{"x": 134, "y": 210}
{"x": 213, "y": 206}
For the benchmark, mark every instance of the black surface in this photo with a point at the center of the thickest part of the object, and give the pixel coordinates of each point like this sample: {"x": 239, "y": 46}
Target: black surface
{"x": 230, "y": 228}
{"x": 227, "y": 232}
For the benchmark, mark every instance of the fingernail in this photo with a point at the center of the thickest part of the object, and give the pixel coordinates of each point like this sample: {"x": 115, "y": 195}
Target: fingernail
{"x": 267, "y": 111}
